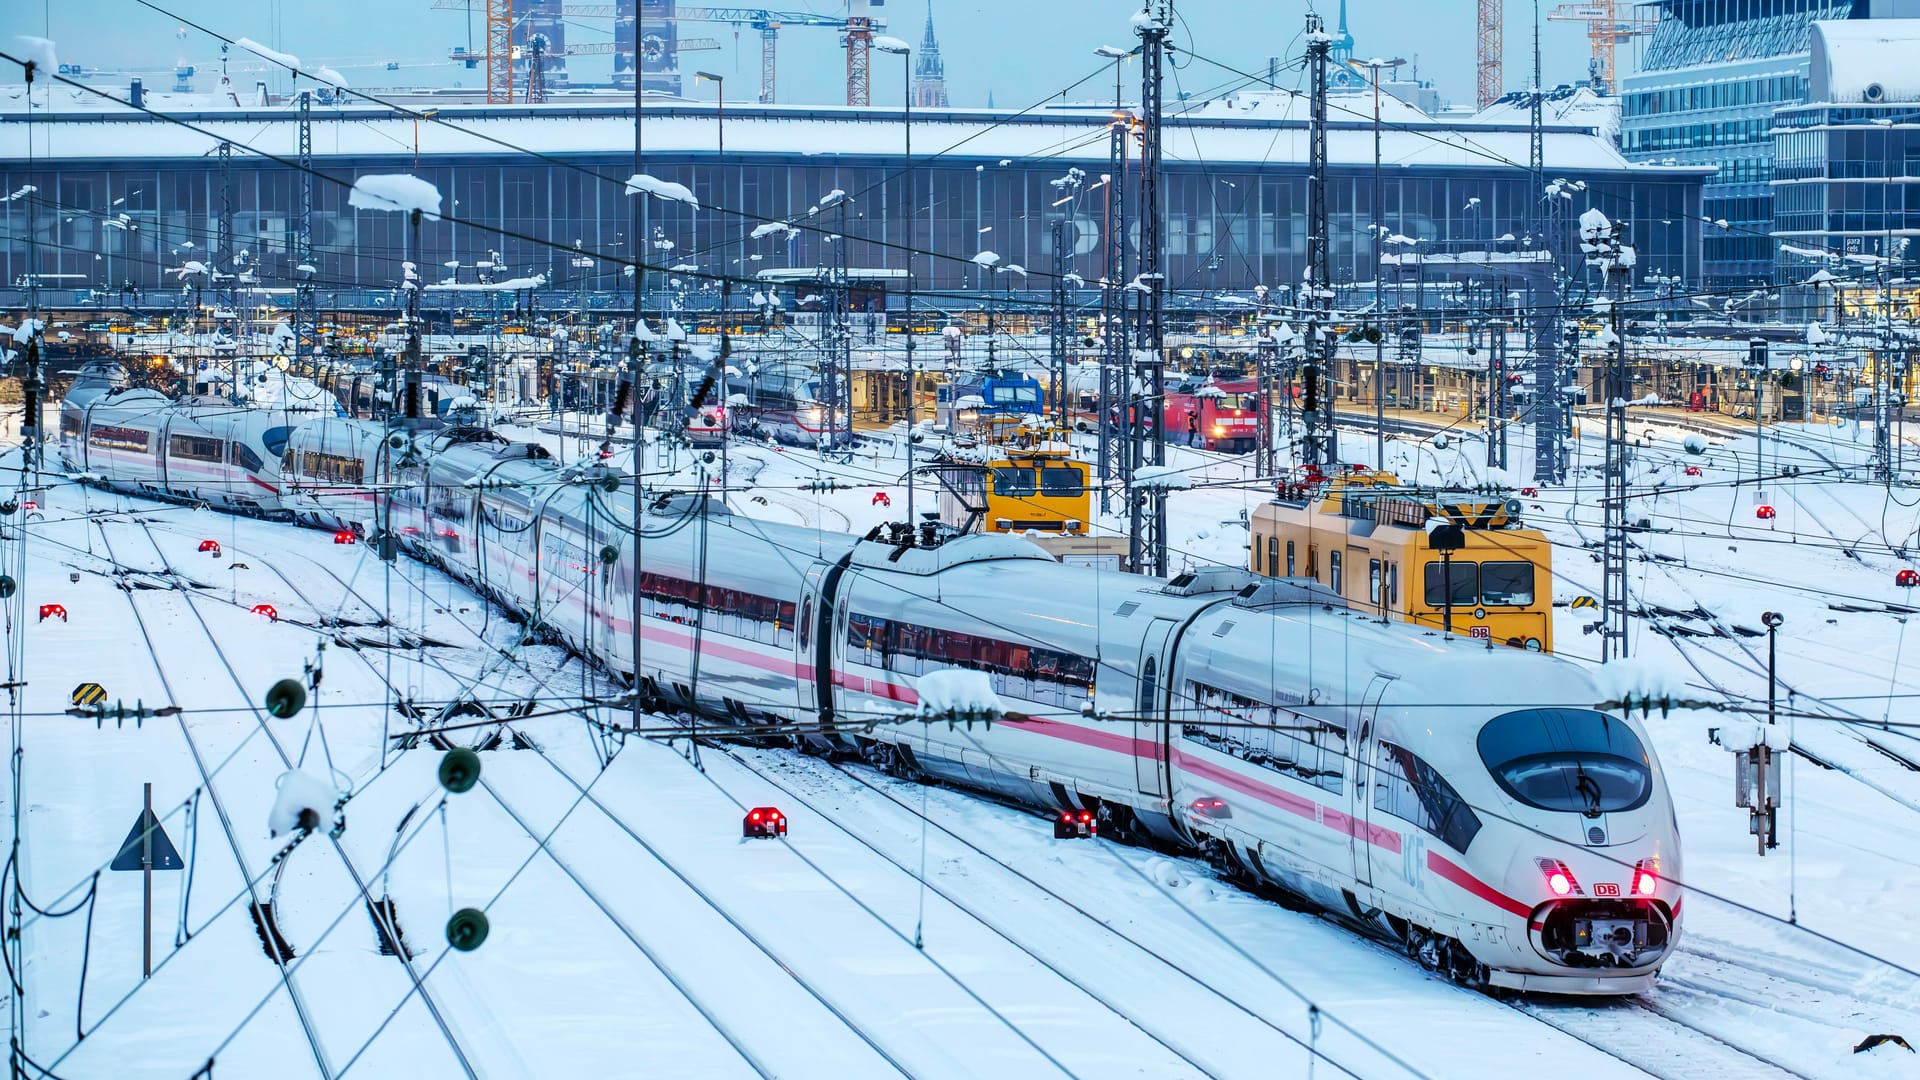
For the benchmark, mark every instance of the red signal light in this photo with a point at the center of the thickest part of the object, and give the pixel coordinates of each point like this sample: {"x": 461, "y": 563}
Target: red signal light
{"x": 344, "y": 537}
{"x": 1694, "y": 470}
{"x": 1212, "y": 807}
{"x": 29, "y": 505}
{"x": 1907, "y": 579}
{"x": 210, "y": 545}
{"x": 1764, "y": 512}
{"x": 48, "y": 611}
{"x": 1530, "y": 492}
{"x": 764, "y": 823}
{"x": 267, "y": 610}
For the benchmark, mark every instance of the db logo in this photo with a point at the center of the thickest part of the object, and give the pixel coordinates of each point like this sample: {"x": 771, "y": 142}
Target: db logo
{"x": 1606, "y": 888}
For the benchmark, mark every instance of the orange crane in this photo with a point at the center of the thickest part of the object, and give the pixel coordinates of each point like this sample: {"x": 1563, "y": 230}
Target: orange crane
{"x": 499, "y": 51}
{"x": 1607, "y": 29}
{"x": 1487, "y": 56}
{"x": 858, "y": 38}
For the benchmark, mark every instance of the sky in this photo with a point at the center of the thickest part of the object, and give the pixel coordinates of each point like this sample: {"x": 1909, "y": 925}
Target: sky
{"x": 1018, "y": 52}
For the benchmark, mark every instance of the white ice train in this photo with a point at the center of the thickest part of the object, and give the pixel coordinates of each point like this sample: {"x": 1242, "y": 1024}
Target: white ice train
{"x": 221, "y": 454}
{"x": 1475, "y": 805}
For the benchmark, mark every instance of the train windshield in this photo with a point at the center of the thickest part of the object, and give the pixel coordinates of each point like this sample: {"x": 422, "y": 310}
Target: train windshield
{"x": 1061, "y": 482}
{"x": 1573, "y": 760}
{"x": 1003, "y": 394}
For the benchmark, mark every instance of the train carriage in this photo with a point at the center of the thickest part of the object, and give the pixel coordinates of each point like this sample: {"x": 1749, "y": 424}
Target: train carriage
{"x": 227, "y": 456}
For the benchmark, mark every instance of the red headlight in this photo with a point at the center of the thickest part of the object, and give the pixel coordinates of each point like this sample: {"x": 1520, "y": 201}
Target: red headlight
{"x": 1645, "y": 879}
{"x": 1559, "y": 879}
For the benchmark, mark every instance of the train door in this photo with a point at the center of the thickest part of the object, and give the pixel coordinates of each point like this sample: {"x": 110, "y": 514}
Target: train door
{"x": 162, "y": 458}
{"x": 814, "y": 638}
{"x": 1360, "y": 799}
{"x": 1149, "y": 734}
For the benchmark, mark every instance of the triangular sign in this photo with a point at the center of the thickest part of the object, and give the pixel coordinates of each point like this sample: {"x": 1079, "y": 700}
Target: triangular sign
{"x": 164, "y": 857}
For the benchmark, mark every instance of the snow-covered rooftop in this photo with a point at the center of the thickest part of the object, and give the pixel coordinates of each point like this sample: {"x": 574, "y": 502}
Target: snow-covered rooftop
{"x": 1247, "y": 128}
{"x": 1865, "y": 60}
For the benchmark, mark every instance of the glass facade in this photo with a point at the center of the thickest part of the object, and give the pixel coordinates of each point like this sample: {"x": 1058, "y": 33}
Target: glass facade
{"x": 1846, "y": 179}
{"x": 1229, "y": 226}
{"x": 1712, "y": 75}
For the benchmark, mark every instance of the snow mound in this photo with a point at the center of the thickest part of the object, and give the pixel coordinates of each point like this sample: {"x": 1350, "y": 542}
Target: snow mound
{"x": 986, "y": 258}
{"x": 395, "y": 191}
{"x": 1694, "y": 444}
{"x": 300, "y": 792}
{"x": 641, "y": 183}
{"x": 329, "y": 76}
{"x": 951, "y": 693}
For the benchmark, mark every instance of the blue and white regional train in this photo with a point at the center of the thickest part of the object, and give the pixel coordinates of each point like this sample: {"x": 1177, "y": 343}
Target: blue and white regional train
{"x": 1470, "y": 803}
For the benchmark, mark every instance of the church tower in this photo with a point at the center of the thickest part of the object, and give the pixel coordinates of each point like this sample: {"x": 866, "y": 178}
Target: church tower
{"x": 929, "y": 72}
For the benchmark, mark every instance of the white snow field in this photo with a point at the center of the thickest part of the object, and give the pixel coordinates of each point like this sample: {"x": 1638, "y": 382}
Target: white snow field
{"x": 897, "y": 929}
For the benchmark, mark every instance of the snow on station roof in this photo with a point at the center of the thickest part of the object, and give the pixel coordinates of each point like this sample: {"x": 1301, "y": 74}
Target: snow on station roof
{"x": 1250, "y": 128}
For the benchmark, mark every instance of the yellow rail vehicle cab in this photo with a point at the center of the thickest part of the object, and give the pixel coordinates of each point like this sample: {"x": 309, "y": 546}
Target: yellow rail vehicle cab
{"x": 1367, "y": 539}
{"x": 1031, "y": 482}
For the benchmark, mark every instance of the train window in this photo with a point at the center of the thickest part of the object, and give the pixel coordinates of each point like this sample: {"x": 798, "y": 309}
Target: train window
{"x": 1062, "y": 482}
{"x": 1466, "y": 584}
{"x": 1149, "y": 686}
{"x": 1333, "y": 572}
{"x": 806, "y": 621}
{"x": 1506, "y": 584}
{"x": 69, "y": 426}
{"x": 197, "y": 448}
{"x": 1575, "y": 760}
{"x": 244, "y": 457}
{"x": 1289, "y": 558}
{"x": 1410, "y": 789}
{"x": 275, "y": 439}
{"x": 1376, "y": 583}
{"x": 117, "y": 438}
{"x": 1313, "y": 562}
{"x": 1273, "y": 556}
{"x": 1013, "y": 480}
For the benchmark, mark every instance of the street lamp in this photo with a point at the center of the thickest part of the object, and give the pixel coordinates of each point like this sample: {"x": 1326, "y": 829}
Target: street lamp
{"x": 894, "y": 46}
{"x": 1380, "y": 327}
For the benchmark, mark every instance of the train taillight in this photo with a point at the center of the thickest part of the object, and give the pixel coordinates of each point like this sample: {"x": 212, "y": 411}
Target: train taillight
{"x": 1560, "y": 880}
{"x": 1075, "y": 825}
{"x": 764, "y": 823}
{"x": 1645, "y": 880}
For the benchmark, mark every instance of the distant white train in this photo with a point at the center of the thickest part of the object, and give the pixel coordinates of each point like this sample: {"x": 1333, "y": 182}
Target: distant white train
{"x": 1472, "y": 804}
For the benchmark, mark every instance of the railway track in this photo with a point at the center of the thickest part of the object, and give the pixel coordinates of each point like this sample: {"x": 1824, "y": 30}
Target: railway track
{"x": 244, "y": 699}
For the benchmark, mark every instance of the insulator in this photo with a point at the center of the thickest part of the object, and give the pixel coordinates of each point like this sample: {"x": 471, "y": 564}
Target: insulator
{"x": 623, "y": 398}
{"x": 459, "y": 771}
{"x": 467, "y": 929}
{"x": 286, "y": 698}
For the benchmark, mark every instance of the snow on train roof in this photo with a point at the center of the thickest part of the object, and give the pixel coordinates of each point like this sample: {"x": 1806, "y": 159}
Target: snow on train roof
{"x": 1244, "y": 129}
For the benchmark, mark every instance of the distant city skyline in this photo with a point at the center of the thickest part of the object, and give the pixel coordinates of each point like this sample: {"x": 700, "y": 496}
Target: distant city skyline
{"x": 1012, "y": 52}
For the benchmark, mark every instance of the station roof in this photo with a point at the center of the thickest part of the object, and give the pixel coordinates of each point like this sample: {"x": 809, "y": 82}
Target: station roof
{"x": 1261, "y": 128}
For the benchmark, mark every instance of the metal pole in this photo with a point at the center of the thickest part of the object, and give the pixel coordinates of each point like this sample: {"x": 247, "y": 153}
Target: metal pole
{"x": 1446, "y": 601}
{"x": 906, "y": 98}
{"x": 1379, "y": 313}
{"x": 146, "y": 884}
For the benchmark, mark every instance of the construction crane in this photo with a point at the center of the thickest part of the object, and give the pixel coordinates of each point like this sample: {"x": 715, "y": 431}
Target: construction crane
{"x": 767, "y": 23}
{"x": 1607, "y": 29}
{"x": 1487, "y": 57}
{"x": 858, "y": 39}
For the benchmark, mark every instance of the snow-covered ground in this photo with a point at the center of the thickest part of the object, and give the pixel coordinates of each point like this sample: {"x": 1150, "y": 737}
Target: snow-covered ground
{"x": 898, "y": 929}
